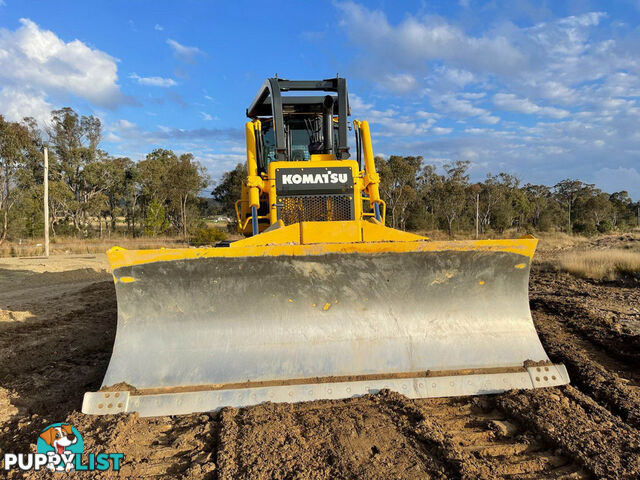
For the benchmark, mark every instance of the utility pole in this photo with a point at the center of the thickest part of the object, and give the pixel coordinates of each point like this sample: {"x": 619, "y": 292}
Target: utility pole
{"x": 46, "y": 202}
{"x": 477, "y": 212}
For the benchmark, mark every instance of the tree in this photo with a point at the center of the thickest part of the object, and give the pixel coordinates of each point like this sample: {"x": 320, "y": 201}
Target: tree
{"x": 155, "y": 174}
{"x": 229, "y": 190}
{"x": 132, "y": 189}
{"x": 450, "y": 192}
{"x": 398, "y": 186}
{"x": 622, "y": 209}
{"x": 114, "y": 173}
{"x": 567, "y": 192}
{"x": 505, "y": 204}
{"x": 599, "y": 208}
{"x": 75, "y": 144}
{"x": 15, "y": 147}
{"x": 155, "y": 222}
{"x": 186, "y": 179}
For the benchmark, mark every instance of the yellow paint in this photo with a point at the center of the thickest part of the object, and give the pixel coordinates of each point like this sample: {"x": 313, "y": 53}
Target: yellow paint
{"x": 374, "y": 231}
{"x": 326, "y": 307}
{"x": 521, "y": 265}
{"x": 481, "y": 282}
{"x": 314, "y": 305}
{"x": 322, "y": 157}
{"x": 286, "y": 242}
{"x": 290, "y": 300}
{"x": 127, "y": 279}
{"x": 253, "y": 182}
{"x": 260, "y": 188}
{"x": 343, "y": 231}
{"x": 372, "y": 179}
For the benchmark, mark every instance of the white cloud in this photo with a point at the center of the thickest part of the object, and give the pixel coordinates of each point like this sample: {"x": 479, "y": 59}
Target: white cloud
{"x": 452, "y": 104}
{"x": 15, "y": 104}
{"x": 490, "y": 119}
{"x": 112, "y": 137}
{"x": 399, "y": 82}
{"x": 154, "y": 81}
{"x": 419, "y": 39}
{"x": 441, "y": 130}
{"x": 39, "y": 71}
{"x": 206, "y": 117}
{"x": 455, "y": 76}
{"x": 426, "y": 115}
{"x": 509, "y": 101}
{"x": 125, "y": 124}
{"x": 473, "y": 95}
{"x": 388, "y": 122}
{"x": 184, "y": 52}
{"x": 36, "y": 62}
{"x": 158, "y": 27}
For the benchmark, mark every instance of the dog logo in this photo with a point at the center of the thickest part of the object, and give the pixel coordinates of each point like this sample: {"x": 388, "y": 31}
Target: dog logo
{"x": 60, "y": 448}
{"x": 61, "y": 443}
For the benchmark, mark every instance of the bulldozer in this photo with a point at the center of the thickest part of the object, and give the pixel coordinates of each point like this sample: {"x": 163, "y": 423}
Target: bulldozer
{"x": 321, "y": 300}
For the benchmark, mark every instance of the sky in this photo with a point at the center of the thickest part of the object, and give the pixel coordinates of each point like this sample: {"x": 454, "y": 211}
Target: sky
{"x": 542, "y": 90}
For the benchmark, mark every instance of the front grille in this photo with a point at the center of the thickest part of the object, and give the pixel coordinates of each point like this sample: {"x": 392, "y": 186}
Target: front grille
{"x": 315, "y": 208}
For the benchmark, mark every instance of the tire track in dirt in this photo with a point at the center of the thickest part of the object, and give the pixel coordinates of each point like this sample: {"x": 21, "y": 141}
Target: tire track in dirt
{"x": 426, "y": 429}
{"x": 607, "y": 335}
{"x": 477, "y": 441}
{"x": 599, "y": 440}
{"x": 47, "y": 363}
{"x": 160, "y": 447}
{"x": 610, "y": 390}
{"x": 601, "y": 314}
{"x": 51, "y": 361}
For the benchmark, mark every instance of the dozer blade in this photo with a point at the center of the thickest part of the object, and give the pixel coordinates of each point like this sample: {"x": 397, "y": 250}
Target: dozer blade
{"x": 199, "y": 329}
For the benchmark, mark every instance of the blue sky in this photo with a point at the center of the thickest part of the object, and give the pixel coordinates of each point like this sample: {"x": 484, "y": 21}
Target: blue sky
{"x": 543, "y": 90}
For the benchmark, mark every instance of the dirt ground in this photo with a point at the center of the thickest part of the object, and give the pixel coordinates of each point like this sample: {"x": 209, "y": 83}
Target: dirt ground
{"x": 57, "y": 324}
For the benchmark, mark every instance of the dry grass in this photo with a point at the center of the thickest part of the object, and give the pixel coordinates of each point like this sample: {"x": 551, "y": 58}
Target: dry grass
{"x": 602, "y": 264}
{"x": 89, "y": 245}
{"x": 558, "y": 241}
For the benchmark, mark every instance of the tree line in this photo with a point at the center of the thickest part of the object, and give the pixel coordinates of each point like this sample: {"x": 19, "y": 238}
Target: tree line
{"x": 421, "y": 196}
{"x": 89, "y": 189}
{"x": 94, "y": 193}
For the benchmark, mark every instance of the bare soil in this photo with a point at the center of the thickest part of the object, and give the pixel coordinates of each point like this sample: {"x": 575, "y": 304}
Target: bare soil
{"x": 59, "y": 323}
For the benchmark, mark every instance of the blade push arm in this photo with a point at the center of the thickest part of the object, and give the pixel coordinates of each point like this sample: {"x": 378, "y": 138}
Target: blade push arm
{"x": 371, "y": 177}
{"x": 255, "y": 184}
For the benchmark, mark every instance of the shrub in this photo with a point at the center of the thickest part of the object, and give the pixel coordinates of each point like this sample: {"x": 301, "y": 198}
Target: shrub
{"x": 605, "y": 226}
{"x": 205, "y": 235}
{"x": 585, "y": 228}
{"x": 156, "y": 221}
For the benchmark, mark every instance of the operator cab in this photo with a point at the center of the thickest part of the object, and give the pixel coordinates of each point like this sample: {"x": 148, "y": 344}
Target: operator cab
{"x": 293, "y": 128}
{"x": 298, "y": 166}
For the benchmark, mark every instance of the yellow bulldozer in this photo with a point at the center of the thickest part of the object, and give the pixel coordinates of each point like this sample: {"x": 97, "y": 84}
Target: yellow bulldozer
{"x": 321, "y": 300}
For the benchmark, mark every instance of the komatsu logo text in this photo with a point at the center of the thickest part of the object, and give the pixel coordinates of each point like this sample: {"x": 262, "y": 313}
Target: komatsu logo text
{"x": 313, "y": 179}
